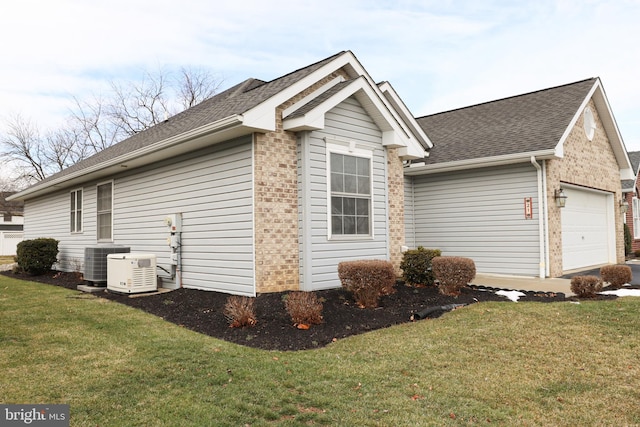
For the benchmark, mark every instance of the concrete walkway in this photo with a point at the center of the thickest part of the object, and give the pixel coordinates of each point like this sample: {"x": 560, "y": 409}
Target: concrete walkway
{"x": 519, "y": 283}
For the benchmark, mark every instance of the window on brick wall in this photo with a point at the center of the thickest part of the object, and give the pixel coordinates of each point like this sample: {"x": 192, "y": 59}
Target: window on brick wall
{"x": 350, "y": 193}
{"x": 635, "y": 207}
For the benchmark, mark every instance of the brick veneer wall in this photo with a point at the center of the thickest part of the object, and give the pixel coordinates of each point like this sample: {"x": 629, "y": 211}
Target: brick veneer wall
{"x": 590, "y": 164}
{"x": 276, "y": 203}
{"x": 395, "y": 188}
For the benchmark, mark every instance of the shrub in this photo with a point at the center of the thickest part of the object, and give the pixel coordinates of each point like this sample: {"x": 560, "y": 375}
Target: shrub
{"x": 37, "y": 256}
{"x": 586, "y": 286}
{"x": 367, "y": 280}
{"x": 240, "y": 311}
{"x": 453, "y": 273}
{"x": 628, "y": 240}
{"x": 616, "y": 275}
{"x": 304, "y": 308}
{"x": 637, "y": 253}
{"x": 416, "y": 266}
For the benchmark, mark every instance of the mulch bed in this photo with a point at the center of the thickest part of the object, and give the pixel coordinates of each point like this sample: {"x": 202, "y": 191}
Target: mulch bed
{"x": 202, "y": 311}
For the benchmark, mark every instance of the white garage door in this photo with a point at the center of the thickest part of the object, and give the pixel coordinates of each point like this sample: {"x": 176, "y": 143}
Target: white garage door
{"x": 588, "y": 230}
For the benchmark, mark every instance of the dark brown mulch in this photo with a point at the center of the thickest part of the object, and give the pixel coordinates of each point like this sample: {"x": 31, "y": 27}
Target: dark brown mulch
{"x": 201, "y": 311}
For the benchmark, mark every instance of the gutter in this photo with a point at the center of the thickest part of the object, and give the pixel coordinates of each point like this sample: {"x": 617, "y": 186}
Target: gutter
{"x": 483, "y": 162}
{"x": 222, "y": 124}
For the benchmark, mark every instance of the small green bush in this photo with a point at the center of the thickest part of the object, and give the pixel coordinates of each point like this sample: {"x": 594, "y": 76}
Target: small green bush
{"x": 37, "y": 256}
{"x": 367, "y": 280}
{"x": 416, "y": 266}
{"x": 586, "y": 286}
{"x": 453, "y": 273}
{"x": 616, "y": 275}
{"x": 305, "y": 308}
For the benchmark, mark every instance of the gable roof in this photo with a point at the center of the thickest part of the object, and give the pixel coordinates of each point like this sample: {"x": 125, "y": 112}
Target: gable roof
{"x": 514, "y": 129}
{"x": 240, "y": 110}
{"x": 630, "y": 184}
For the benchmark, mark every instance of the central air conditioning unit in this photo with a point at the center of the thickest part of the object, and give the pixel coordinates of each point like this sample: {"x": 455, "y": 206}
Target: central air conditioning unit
{"x": 95, "y": 262}
{"x": 131, "y": 273}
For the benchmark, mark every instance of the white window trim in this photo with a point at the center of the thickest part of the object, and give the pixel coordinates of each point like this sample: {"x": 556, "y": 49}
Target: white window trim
{"x": 75, "y": 222}
{"x": 635, "y": 209}
{"x": 348, "y": 148}
{"x": 110, "y": 239}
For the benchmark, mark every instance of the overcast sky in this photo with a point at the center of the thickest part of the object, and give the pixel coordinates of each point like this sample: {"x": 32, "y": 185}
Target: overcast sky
{"x": 438, "y": 55}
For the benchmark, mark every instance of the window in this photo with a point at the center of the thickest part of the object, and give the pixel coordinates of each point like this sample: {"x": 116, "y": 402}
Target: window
{"x": 636, "y": 218}
{"x": 104, "y": 207}
{"x": 75, "y": 219}
{"x": 350, "y": 195}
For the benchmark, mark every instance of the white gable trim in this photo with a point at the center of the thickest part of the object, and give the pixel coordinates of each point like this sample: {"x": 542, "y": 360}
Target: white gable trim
{"x": 406, "y": 117}
{"x": 394, "y": 135}
{"x": 262, "y": 117}
{"x": 610, "y": 127}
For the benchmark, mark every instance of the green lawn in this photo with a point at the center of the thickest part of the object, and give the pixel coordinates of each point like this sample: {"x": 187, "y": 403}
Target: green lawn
{"x": 558, "y": 364}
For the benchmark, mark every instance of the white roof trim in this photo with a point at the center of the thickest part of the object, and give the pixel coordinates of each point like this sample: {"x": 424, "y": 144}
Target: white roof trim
{"x": 507, "y": 159}
{"x": 304, "y": 101}
{"x": 262, "y": 116}
{"x": 610, "y": 127}
{"x": 394, "y": 135}
{"x": 392, "y": 97}
{"x": 229, "y": 127}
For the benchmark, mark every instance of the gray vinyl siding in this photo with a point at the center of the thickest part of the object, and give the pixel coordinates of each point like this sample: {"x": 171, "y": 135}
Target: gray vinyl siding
{"x": 320, "y": 256}
{"x": 212, "y": 189}
{"x": 480, "y": 214}
{"x": 409, "y": 220}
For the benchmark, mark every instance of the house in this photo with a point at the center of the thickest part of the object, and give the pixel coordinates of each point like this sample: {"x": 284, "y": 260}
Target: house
{"x": 11, "y": 224}
{"x": 493, "y": 186}
{"x": 275, "y": 183}
{"x": 631, "y": 197}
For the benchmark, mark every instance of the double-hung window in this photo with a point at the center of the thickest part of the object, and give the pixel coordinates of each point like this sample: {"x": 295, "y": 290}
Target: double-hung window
{"x": 105, "y": 208}
{"x": 75, "y": 217}
{"x": 350, "y": 184}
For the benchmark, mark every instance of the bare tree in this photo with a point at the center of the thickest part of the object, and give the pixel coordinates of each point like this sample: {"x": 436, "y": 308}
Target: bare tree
{"x": 136, "y": 107}
{"x": 195, "y": 85}
{"x": 23, "y": 145}
{"x": 94, "y": 125}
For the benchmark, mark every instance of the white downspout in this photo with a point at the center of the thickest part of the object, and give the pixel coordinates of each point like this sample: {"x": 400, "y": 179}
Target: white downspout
{"x": 546, "y": 218}
{"x": 541, "y": 219}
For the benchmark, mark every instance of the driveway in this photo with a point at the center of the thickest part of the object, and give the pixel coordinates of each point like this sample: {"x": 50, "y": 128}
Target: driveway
{"x": 635, "y": 273}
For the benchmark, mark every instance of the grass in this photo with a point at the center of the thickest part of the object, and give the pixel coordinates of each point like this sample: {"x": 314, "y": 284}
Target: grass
{"x": 557, "y": 364}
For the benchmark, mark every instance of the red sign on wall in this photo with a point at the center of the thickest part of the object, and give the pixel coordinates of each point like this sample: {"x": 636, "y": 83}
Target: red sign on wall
{"x": 528, "y": 208}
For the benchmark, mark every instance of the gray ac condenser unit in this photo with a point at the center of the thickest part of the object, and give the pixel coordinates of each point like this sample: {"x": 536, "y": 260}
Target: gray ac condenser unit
{"x": 95, "y": 262}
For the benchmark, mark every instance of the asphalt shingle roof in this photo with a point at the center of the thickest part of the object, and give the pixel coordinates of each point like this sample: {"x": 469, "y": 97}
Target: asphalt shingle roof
{"x": 525, "y": 123}
{"x": 235, "y": 100}
{"x": 634, "y": 157}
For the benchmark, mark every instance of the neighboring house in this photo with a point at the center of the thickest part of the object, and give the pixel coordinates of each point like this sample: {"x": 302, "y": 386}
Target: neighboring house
{"x": 276, "y": 183}
{"x": 490, "y": 187}
{"x": 631, "y": 196}
{"x": 11, "y": 224}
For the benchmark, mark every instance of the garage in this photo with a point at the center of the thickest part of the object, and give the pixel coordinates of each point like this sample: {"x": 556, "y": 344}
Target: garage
{"x": 588, "y": 229}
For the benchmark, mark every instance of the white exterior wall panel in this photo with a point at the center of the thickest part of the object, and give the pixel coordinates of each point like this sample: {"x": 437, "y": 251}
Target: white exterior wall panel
{"x": 479, "y": 214}
{"x": 212, "y": 189}
{"x": 409, "y": 220}
{"x": 320, "y": 257}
